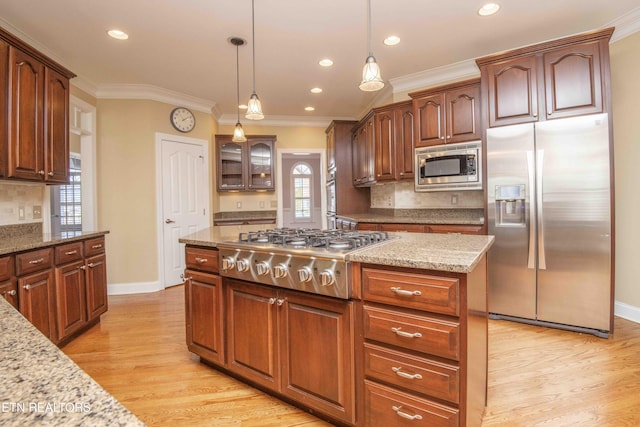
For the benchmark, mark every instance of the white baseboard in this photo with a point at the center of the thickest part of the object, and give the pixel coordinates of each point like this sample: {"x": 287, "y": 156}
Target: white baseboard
{"x": 133, "y": 288}
{"x": 627, "y": 311}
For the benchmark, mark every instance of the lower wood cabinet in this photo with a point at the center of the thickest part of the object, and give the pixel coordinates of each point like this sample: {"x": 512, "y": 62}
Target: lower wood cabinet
{"x": 8, "y": 284}
{"x": 421, "y": 228}
{"x": 298, "y": 345}
{"x": 35, "y": 296}
{"x": 204, "y": 302}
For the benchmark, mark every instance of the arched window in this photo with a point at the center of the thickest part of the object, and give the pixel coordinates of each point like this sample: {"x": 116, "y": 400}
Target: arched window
{"x": 302, "y": 175}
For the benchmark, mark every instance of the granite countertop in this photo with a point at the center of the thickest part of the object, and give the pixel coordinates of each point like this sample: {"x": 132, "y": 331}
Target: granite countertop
{"x": 22, "y": 242}
{"x": 443, "y": 252}
{"x": 420, "y": 216}
{"x": 40, "y": 385}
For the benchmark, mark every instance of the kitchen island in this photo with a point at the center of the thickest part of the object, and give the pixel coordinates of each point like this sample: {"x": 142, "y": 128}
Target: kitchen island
{"x": 409, "y": 341}
{"x": 41, "y": 386}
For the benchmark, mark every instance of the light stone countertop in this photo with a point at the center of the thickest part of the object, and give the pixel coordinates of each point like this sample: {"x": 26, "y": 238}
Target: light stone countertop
{"x": 458, "y": 253}
{"x": 41, "y": 386}
{"x": 23, "y": 242}
{"x": 444, "y": 252}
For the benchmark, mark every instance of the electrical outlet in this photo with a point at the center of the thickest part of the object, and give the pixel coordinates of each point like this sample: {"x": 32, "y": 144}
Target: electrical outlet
{"x": 239, "y": 205}
{"x": 262, "y": 205}
{"x": 21, "y": 213}
{"x": 37, "y": 212}
{"x": 454, "y": 199}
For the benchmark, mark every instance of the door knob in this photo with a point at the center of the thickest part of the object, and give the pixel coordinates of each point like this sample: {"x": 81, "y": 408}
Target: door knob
{"x": 169, "y": 221}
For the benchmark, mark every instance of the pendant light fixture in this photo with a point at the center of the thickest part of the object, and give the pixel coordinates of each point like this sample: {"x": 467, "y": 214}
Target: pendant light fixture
{"x": 254, "y": 110}
{"x": 238, "y": 132}
{"x": 371, "y": 78}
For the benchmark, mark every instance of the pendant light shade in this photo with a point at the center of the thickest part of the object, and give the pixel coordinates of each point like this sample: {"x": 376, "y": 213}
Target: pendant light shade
{"x": 254, "y": 110}
{"x": 238, "y": 132}
{"x": 371, "y": 76}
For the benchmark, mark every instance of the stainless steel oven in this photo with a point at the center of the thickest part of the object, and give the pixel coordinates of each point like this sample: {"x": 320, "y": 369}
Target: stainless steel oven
{"x": 449, "y": 167}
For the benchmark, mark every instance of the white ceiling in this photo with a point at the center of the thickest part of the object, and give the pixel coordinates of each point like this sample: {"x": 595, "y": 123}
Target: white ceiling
{"x": 181, "y": 47}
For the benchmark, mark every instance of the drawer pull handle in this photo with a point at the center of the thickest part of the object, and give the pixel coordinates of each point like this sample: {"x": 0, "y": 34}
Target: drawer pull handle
{"x": 399, "y": 373}
{"x": 201, "y": 260}
{"x": 401, "y": 333}
{"x": 73, "y": 252}
{"x": 36, "y": 261}
{"x": 405, "y": 415}
{"x": 404, "y": 293}
{"x": 91, "y": 264}
{"x": 98, "y": 246}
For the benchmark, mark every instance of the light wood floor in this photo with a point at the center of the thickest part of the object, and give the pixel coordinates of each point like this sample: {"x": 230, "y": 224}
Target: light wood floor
{"x": 537, "y": 376}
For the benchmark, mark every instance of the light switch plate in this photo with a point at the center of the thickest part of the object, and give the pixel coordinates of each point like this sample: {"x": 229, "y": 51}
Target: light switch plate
{"x": 21, "y": 212}
{"x": 37, "y": 212}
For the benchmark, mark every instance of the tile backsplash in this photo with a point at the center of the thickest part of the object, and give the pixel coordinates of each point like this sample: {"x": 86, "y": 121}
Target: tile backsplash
{"x": 17, "y": 202}
{"x": 401, "y": 195}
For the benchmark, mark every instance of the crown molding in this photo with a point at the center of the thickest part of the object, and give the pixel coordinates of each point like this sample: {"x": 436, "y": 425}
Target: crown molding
{"x": 423, "y": 79}
{"x": 626, "y": 25}
{"x": 231, "y": 119}
{"x": 154, "y": 93}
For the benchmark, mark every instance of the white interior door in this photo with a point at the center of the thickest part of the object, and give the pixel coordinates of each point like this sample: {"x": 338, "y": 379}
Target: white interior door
{"x": 185, "y": 200}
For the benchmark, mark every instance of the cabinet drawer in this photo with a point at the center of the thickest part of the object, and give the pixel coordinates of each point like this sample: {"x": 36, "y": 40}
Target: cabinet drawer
{"x": 68, "y": 253}
{"x": 30, "y": 262}
{"x": 411, "y": 228}
{"x": 417, "y": 374}
{"x": 94, "y": 246}
{"x": 202, "y": 259}
{"x": 456, "y": 229}
{"x": 6, "y": 267}
{"x": 420, "y": 333}
{"x": 389, "y": 407}
{"x": 417, "y": 291}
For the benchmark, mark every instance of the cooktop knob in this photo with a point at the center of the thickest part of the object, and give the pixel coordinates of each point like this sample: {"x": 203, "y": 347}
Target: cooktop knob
{"x": 243, "y": 265}
{"x": 228, "y": 263}
{"x": 280, "y": 271}
{"x": 262, "y": 268}
{"x": 327, "y": 278}
{"x": 305, "y": 274}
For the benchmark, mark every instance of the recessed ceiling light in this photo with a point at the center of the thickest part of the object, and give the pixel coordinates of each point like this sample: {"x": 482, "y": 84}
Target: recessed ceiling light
{"x": 488, "y": 9}
{"x": 117, "y": 34}
{"x": 392, "y": 40}
{"x": 309, "y": 109}
{"x": 243, "y": 106}
{"x": 326, "y": 62}
{"x": 316, "y": 90}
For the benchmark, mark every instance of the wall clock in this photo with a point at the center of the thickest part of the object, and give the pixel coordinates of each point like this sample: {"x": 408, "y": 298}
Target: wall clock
{"x": 183, "y": 119}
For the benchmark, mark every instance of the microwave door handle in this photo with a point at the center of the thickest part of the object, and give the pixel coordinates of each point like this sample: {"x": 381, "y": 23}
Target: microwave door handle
{"x": 532, "y": 202}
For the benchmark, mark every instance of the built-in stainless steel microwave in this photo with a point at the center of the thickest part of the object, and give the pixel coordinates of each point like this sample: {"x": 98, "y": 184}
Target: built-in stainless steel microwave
{"x": 450, "y": 167}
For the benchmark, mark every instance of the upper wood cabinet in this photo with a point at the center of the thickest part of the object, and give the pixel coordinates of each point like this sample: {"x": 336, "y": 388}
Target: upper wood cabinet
{"x": 364, "y": 152}
{"x": 556, "y": 79}
{"x": 245, "y": 166}
{"x": 447, "y": 114}
{"x": 34, "y": 118}
{"x": 394, "y": 142}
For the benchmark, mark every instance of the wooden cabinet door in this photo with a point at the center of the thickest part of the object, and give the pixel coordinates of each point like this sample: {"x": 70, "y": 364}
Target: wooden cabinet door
{"x": 56, "y": 136}
{"x": 35, "y": 300}
{"x": 429, "y": 120}
{"x": 513, "y": 91}
{"x": 9, "y": 291}
{"x": 26, "y": 77}
{"x": 331, "y": 149}
{"x": 385, "y": 147}
{"x": 463, "y": 114}
{"x": 252, "y": 338}
{"x": 573, "y": 82}
{"x": 4, "y": 112}
{"x": 96, "y": 286}
{"x": 405, "y": 142}
{"x": 260, "y": 159}
{"x": 231, "y": 164}
{"x": 204, "y": 301}
{"x": 70, "y": 299}
{"x": 316, "y": 343}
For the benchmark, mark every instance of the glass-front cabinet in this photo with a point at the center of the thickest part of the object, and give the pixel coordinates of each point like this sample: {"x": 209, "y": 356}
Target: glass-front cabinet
{"x": 245, "y": 166}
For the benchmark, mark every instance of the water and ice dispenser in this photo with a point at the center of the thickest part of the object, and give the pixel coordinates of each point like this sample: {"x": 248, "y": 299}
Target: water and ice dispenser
{"x": 510, "y": 206}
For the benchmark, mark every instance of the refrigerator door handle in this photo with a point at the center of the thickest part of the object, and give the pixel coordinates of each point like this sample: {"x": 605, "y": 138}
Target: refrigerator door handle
{"x": 542, "y": 265}
{"x": 532, "y": 202}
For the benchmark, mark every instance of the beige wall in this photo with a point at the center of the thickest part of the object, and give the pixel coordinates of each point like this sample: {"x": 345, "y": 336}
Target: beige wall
{"x": 126, "y": 182}
{"x": 625, "y": 64}
{"x": 299, "y": 137}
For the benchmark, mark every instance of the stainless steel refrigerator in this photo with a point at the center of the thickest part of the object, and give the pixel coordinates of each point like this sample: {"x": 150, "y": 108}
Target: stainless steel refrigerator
{"x": 549, "y": 207}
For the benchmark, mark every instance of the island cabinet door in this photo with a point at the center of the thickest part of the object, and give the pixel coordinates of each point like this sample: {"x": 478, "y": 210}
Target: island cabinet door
{"x": 252, "y": 350}
{"x": 35, "y": 300}
{"x": 317, "y": 341}
{"x": 71, "y": 312}
{"x": 96, "y": 286}
{"x": 203, "y": 294}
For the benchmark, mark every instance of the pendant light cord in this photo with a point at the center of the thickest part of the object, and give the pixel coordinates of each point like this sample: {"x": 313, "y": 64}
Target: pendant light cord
{"x": 370, "y": 43}
{"x": 253, "y": 42}
{"x": 238, "y": 81}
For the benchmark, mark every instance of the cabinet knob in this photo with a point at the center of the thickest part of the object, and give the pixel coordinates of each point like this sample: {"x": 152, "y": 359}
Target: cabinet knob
{"x": 12, "y": 292}
{"x": 40, "y": 172}
{"x": 401, "y": 173}
{"x": 91, "y": 265}
{"x": 26, "y": 287}
{"x": 82, "y": 267}
{"x": 50, "y": 173}
{"x": 535, "y": 114}
{"x": 548, "y": 113}
{"x": 272, "y": 301}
